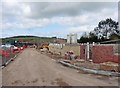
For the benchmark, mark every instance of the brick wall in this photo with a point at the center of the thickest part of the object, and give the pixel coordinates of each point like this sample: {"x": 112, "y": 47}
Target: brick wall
{"x": 82, "y": 51}
{"x": 102, "y": 53}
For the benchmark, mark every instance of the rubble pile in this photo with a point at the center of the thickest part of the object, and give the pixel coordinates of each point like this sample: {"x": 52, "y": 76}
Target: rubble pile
{"x": 70, "y": 55}
{"x": 110, "y": 66}
{"x": 54, "y": 55}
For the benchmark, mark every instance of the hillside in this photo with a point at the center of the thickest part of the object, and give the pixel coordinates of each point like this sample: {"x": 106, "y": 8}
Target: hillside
{"x": 31, "y": 39}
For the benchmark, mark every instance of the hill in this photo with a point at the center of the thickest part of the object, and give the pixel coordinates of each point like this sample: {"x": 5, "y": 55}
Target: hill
{"x": 30, "y": 39}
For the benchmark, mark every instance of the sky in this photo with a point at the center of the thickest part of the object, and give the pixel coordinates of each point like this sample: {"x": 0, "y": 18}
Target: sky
{"x": 49, "y": 19}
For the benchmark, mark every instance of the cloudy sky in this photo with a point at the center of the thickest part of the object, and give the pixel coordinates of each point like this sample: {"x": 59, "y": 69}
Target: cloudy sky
{"x": 53, "y": 18}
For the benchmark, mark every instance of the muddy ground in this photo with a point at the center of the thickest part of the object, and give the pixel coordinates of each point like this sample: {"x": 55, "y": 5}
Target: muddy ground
{"x": 31, "y": 68}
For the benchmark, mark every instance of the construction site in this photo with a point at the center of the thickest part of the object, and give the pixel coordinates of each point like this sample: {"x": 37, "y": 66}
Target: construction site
{"x": 59, "y": 43}
{"x": 62, "y": 64}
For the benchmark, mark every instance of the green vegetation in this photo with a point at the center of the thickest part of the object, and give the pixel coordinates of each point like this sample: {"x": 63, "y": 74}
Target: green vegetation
{"x": 30, "y": 39}
{"x": 106, "y": 30}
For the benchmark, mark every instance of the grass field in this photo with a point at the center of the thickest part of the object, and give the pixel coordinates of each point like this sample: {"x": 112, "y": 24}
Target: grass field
{"x": 31, "y": 39}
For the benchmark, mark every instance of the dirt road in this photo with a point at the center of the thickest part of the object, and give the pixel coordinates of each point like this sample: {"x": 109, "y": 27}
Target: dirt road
{"x": 31, "y": 68}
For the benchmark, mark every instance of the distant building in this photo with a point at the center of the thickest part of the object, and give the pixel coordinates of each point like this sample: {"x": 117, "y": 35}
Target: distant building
{"x": 72, "y": 38}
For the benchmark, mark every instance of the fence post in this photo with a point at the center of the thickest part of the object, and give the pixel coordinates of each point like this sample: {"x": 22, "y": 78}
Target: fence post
{"x": 88, "y": 51}
{"x": 93, "y": 43}
{"x": 85, "y": 51}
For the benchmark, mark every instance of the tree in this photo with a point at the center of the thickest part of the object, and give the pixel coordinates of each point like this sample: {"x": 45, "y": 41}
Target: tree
{"x": 93, "y": 37}
{"x": 114, "y": 37}
{"x": 106, "y": 28}
{"x": 84, "y": 38}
